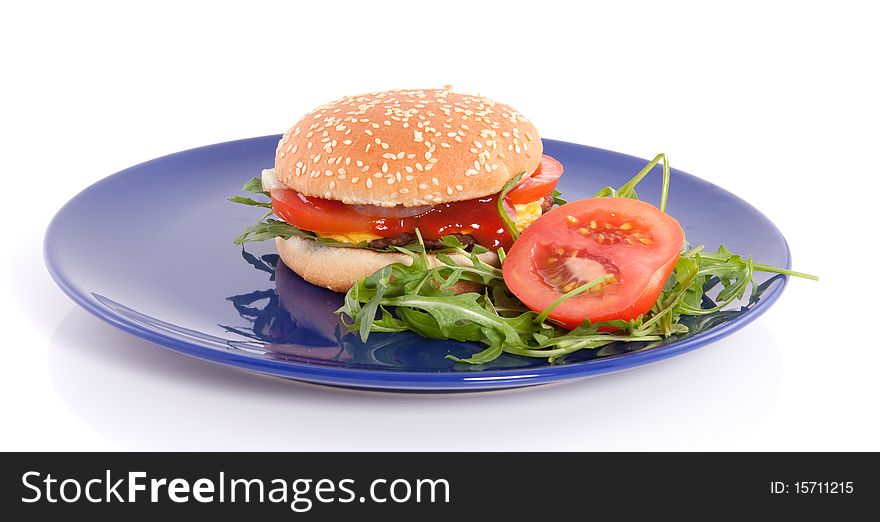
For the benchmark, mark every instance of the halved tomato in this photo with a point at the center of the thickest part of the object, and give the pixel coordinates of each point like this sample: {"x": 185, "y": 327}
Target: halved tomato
{"x": 539, "y": 184}
{"x": 576, "y": 243}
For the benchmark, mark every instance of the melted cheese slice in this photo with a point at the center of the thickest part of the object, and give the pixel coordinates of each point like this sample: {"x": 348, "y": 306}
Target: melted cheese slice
{"x": 350, "y": 237}
{"x": 527, "y": 213}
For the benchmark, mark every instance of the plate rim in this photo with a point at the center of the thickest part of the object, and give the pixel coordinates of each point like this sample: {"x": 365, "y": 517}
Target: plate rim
{"x": 365, "y": 378}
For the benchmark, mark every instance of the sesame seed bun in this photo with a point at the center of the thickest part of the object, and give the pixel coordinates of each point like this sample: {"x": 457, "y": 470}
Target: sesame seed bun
{"x": 407, "y": 147}
{"x": 340, "y": 268}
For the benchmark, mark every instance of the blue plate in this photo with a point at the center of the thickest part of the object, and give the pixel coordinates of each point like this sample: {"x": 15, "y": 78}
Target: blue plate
{"x": 150, "y": 250}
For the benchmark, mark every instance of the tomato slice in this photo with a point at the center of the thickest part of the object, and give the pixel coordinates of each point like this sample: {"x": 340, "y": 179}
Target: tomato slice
{"x": 576, "y": 243}
{"x": 477, "y": 217}
{"x": 324, "y": 215}
{"x": 539, "y": 184}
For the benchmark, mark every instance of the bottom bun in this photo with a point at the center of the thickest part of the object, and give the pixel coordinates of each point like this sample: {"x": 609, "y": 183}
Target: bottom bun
{"x": 340, "y": 268}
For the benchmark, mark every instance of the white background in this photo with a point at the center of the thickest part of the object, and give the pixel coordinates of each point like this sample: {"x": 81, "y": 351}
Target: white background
{"x": 776, "y": 102}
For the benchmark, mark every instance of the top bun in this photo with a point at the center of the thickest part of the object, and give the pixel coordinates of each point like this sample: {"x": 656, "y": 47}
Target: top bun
{"x": 407, "y": 147}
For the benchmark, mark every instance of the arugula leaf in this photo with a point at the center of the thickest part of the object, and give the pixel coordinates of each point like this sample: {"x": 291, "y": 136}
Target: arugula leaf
{"x": 557, "y": 198}
{"x": 248, "y": 201}
{"x": 505, "y": 217}
{"x": 255, "y": 185}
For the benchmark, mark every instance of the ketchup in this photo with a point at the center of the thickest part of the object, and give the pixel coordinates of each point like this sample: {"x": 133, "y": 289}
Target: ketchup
{"x": 477, "y": 217}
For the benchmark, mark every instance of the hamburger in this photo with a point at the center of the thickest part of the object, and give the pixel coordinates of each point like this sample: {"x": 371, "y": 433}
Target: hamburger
{"x": 357, "y": 177}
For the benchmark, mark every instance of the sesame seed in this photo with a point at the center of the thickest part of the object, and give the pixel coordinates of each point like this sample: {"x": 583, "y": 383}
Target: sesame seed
{"x": 404, "y": 191}
{"x": 471, "y": 172}
{"x": 459, "y": 188}
{"x": 435, "y": 181}
{"x": 332, "y": 183}
{"x": 409, "y": 178}
{"x": 377, "y": 175}
{"x": 423, "y": 186}
{"x": 385, "y": 145}
{"x": 449, "y": 190}
{"x": 346, "y": 142}
{"x": 391, "y": 181}
{"x": 328, "y": 173}
{"x": 369, "y": 183}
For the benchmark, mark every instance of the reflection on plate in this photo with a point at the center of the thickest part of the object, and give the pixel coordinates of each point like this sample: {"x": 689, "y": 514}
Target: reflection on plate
{"x": 150, "y": 251}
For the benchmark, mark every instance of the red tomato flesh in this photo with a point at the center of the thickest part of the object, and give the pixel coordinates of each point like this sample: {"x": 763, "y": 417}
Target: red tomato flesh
{"x": 539, "y": 184}
{"x": 576, "y": 243}
{"x": 477, "y": 217}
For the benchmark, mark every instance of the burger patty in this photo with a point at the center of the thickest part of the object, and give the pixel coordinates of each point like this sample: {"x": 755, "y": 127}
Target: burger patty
{"x": 467, "y": 240}
{"x": 407, "y": 238}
